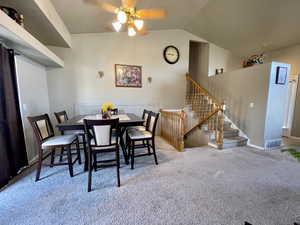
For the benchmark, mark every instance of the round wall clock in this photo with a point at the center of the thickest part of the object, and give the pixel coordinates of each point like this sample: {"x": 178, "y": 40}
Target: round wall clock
{"x": 171, "y": 54}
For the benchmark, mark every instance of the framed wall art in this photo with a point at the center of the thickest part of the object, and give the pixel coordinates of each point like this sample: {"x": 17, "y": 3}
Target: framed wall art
{"x": 281, "y": 75}
{"x": 128, "y": 76}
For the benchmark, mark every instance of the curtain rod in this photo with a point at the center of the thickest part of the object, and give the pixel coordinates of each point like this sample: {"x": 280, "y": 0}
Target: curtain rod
{"x": 4, "y": 44}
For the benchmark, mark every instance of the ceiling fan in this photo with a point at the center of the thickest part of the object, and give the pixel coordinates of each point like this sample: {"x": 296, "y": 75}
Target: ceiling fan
{"x": 129, "y": 16}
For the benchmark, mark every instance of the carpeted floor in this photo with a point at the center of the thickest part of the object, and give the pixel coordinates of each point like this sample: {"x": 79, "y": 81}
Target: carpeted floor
{"x": 199, "y": 186}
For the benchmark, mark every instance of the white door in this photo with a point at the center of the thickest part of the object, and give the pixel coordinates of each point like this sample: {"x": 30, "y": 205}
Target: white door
{"x": 290, "y": 106}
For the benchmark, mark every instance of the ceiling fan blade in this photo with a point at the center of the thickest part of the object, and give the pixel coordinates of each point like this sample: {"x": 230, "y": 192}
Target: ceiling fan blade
{"x": 109, "y": 8}
{"x": 151, "y": 13}
{"x": 129, "y": 3}
{"x": 94, "y": 2}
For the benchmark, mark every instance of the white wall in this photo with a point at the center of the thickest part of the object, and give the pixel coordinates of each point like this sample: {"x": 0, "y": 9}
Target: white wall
{"x": 78, "y": 85}
{"x": 263, "y": 122}
{"x": 290, "y": 55}
{"x": 33, "y": 95}
{"x": 222, "y": 58}
{"x": 276, "y": 106}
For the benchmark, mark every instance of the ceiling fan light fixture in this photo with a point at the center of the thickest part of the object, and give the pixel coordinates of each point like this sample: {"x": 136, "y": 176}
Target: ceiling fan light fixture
{"x": 139, "y": 24}
{"x": 122, "y": 17}
{"x": 131, "y": 32}
{"x": 117, "y": 26}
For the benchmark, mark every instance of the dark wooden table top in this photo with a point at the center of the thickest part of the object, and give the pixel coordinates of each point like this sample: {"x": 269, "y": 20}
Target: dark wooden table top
{"x": 76, "y": 123}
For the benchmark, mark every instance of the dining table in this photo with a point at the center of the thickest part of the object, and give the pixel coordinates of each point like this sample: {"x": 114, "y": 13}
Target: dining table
{"x": 125, "y": 121}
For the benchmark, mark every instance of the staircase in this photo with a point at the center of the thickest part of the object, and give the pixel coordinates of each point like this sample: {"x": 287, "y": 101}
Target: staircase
{"x": 204, "y": 112}
{"x": 203, "y": 116}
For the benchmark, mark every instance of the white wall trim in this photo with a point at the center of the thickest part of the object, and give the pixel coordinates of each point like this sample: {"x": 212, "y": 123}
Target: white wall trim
{"x": 255, "y": 146}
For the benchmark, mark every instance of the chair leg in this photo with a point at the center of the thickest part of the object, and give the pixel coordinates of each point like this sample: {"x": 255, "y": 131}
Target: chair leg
{"x": 132, "y": 155}
{"x": 52, "y": 157}
{"x": 85, "y": 154}
{"x": 118, "y": 165}
{"x": 95, "y": 162}
{"x": 90, "y": 168}
{"x": 148, "y": 146}
{"x": 154, "y": 151}
{"x": 39, "y": 165}
{"x": 61, "y": 154}
{"x": 78, "y": 152}
{"x": 70, "y": 160}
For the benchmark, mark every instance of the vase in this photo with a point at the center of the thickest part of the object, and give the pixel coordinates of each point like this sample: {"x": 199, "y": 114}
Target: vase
{"x": 106, "y": 114}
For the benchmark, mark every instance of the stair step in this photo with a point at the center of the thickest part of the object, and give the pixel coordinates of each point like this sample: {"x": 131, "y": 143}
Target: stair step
{"x": 231, "y": 132}
{"x": 227, "y": 125}
{"x": 229, "y": 142}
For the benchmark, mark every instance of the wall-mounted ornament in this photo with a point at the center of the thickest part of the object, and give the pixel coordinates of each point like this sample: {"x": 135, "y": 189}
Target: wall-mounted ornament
{"x": 150, "y": 80}
{"x": 254, "y": 60}
{"x": 128, "y": 76}
{"x": 171, "y": 54}
{"x": 12, "y": 13}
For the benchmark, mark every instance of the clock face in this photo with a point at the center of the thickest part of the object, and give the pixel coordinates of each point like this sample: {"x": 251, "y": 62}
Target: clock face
{"x": 171, "y": 54}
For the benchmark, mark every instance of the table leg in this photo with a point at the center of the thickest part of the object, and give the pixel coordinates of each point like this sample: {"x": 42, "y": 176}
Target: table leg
{"x": 122, "y": 143}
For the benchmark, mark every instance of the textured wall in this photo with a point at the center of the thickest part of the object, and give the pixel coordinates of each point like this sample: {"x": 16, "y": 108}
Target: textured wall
{"x": 78, "y": 83}
{"x": 33, "y": 95}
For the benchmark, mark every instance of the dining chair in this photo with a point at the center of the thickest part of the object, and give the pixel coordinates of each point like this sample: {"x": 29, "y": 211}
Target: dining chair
{"x": 100, "y": 139}
{"x": 62, "y": 117}
{"x": 135, "y": 135}
{"x": 145, "y": 116}
{"x": 47, "y": 140}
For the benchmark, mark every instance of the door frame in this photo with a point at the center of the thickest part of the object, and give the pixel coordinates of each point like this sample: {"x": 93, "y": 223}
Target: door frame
{"x": 290, "y": 106}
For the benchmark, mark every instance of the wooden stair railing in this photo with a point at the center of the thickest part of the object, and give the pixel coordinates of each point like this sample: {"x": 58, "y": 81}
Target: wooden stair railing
{"x": 172, "y": 127}
{"x": 209, "y": 110}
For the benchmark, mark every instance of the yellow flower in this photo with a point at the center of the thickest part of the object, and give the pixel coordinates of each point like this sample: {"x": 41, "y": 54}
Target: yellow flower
{"x": 107, "y": 106}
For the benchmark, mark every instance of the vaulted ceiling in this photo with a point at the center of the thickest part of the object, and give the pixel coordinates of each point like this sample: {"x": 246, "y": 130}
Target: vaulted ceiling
{"x": 242, "y": 26}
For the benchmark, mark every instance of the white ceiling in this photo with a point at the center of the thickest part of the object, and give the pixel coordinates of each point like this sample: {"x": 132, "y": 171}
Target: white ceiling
{"x": 83, "y": 18}
{"x": 242, "y": 26}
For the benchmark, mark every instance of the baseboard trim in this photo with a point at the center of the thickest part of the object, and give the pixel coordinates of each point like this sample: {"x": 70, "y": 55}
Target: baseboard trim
{"x": 33, "y": 160}
{"x": 256, "y": 146}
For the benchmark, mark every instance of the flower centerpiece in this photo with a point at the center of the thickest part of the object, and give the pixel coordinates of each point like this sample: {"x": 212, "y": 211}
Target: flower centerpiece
{"x": 106, "y": 110}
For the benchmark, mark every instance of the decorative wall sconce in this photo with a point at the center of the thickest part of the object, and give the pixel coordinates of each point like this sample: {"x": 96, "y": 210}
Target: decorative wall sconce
{"x": 100, "y": 74}
{"x": 150, "y": 80}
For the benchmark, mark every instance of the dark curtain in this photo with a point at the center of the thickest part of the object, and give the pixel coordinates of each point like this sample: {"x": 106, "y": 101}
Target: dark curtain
{"x": 12, "y": 144}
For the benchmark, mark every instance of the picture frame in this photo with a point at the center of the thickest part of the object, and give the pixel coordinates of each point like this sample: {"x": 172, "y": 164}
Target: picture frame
{"x": 281, "y": 75}
{"x": 128, "y": 76}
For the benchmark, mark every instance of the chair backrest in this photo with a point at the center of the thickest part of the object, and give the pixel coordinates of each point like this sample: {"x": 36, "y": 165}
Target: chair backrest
{"x": 61, "y": 117}
{"x": 152, "y": 122}
{"x": 42, "y": 127}
{"x": 146, "y": 114}
{"x": 99, "y": 132}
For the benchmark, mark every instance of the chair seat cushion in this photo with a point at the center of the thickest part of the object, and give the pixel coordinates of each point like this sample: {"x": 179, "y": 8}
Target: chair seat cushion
{"x": 141, "y": 128}
{"x": 138, "y": 134}
{"x": 59, "y": 140}
{"x": 113, "y": 142}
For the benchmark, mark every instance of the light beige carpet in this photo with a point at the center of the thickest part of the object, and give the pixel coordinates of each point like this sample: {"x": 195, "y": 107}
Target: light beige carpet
{"x": 199, "y": 186}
